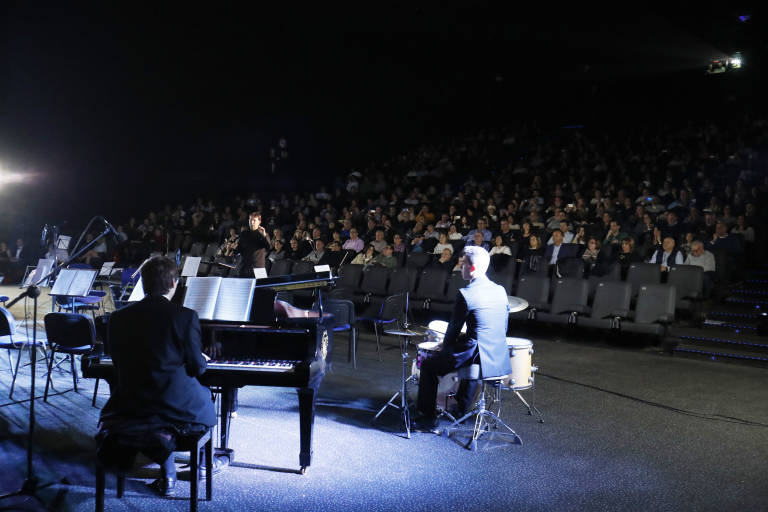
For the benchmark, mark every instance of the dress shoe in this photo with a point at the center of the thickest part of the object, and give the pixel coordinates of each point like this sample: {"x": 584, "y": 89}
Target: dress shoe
{"x": 425, "y": 424}
{"x": 218, "y": 465}
{"x": 164, "y": 486}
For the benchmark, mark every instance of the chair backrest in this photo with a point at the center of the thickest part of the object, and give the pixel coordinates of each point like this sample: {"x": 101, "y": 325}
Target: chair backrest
{"x": 500, "y": 263}
{"x": 570, "y": 295}
{"x": 393, "y": 308}
{"x": 69, "y": 329}
{"x": 534, "y": 289}
{"x": 654, "y": 302}
{"x": 196, "y": 249}
{"x": 375, "y": 280}
{"x": 210, "y": 250}
{"x": 303, "y": 267}
{"x": 455, "y": 283}
{"x": 7, "y": 323}
{"x": 688, "y": 281}
{"x": 643, "y": 273}
{"x": 570, "y": 267}
{"x": 417, "y": 259}
{"x": 343, "y": 310}
{"x": 349, "y": 276}
{"x": 401, "y": 280}
{"x": 432, "y": 284}
{"x": 505, "y": 278}
{"x": 281, "y": 268}
{"x": 611, "y": 297}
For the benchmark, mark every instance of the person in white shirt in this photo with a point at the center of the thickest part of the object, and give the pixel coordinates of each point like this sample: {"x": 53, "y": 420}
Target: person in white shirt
{"x": 453, "y": 234}
{"x": 443, "y": 244}
{"x": 704, "y": 259}
{"x": 499, "y": 247}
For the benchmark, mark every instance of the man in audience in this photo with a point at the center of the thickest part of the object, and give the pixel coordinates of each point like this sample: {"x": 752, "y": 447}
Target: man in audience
{"x": 317, "y": 253}
{"x": 720, "y": 240}
{"x": 482, "y": 229}
{"x": 354, "y": 243}
{"x": 379, "y": 242}
{"x": 385, "y": 258}
{"x": 704, "y": 259}
{"x": 559, "y": 250}
{"x": 667, "y": 255}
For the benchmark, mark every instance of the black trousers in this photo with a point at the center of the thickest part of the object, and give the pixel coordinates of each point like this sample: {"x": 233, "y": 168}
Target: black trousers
{"x": 432, "y": 369}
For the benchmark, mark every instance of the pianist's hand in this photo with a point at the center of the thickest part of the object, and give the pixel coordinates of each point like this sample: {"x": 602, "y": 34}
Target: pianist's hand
{"x": 213, "y": 350}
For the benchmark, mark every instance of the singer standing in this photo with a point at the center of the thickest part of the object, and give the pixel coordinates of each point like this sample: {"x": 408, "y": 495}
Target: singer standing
{"x": 254, "y": 245}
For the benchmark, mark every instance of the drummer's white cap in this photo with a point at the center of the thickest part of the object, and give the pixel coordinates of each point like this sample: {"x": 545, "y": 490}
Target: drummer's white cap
{"x": 479, "y": 258}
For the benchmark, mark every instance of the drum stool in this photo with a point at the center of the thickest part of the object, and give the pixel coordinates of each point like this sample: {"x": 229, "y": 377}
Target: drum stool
{"x": 486, "y": 422}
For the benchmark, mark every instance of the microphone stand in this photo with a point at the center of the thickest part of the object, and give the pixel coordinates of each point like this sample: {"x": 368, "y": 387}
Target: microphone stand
{"x": 32, "y": 483}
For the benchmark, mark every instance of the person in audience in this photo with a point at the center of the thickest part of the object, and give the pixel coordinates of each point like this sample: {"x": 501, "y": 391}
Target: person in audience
{"x": 445, "y": 261}
{"x": 398, "y": 245}
{"x": 500, "y": 247}
{"x": 444, "y": 223}
{"x": 741, "y": 228}
{"x": 478, "y": 241}
{"x": 627, "y": 255}
{"x": 385, "y": 258}
{"x": 580, "y": 237}
{"x": 442, "y": 245}
{"x": 721, "y": 241}
{"x": 278, "y": 252}
{"x": 431, "y": 233}
{"x": 317, "y": 253}
{"x": 704, "y": 259}
{"x": 5, "y": 258}
{"x": 482, "y": 228}
{"x": 614, "y": 234}
{"x": 667, "y": 255}
{"x": 453, "y": 233}
{"x": 688, "y": 239}
{"x": 365, "y": 257}
{"x": 294, "y": 251}
{"x": 379, "y": 242}
{"x": 590, "y": 254}
{"x": 531, "y": 258}
{"x": 526, "y": 230}
{"x": 354, "y": 243}
{"x": 333, "y": 255}
{"x": 559, "y": 250}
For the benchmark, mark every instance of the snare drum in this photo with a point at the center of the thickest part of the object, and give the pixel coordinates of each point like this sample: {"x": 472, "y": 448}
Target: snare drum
{"x": 520, "y": 355}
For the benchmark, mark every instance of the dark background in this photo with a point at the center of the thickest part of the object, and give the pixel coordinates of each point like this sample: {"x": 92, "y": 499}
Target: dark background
{"x": 120, "y": 109}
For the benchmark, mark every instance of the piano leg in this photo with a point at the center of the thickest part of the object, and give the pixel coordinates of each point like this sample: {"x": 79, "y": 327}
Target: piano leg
{"x": 306, "y": 421}
{"x": 227, "y": 403}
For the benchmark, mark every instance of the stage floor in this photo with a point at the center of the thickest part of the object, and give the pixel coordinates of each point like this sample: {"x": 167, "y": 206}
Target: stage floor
{"x": 625, "y": 429}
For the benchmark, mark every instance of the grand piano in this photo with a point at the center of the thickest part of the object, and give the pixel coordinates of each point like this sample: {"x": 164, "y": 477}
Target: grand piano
{"x": 289, "y": 352}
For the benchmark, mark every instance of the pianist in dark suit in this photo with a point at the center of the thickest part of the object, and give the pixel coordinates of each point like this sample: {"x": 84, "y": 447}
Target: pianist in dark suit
{"x": 254, "y": 245}
{"x": 156, "y": 350}
{"x": 484, "y": 306}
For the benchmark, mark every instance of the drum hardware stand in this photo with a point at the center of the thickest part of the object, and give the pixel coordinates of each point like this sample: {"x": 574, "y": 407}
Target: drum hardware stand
{"x": 403, "y": 391}
{"x": 532, "y": 406}
{"x": 32, "y": 483}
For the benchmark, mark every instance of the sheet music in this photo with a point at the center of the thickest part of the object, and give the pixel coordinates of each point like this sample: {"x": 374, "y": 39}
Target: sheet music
{"x": 44, "y": 267}
{"x": 234, "y": 299}
{"x": 137, "y": 293}
{"x": 191, "y": 265}
{"x": 63, "y": 242}
{"x": 82, "y": 282}
{"x": 201, "y": 295}
{"x": 259, "y": 272}
{"x": 322, "y": 268}
{"x": 63, "y": 282}
{"x": 106, "y": 268}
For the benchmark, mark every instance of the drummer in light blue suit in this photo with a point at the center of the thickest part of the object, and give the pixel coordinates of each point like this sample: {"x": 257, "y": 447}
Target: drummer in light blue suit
{"x": 484, "y": 306}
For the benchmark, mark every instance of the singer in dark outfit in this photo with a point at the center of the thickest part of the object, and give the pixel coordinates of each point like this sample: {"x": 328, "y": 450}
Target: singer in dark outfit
{"x": 484, "y": 306}
{"x": 254, "y": 245}
{"x": 156, "y": 350}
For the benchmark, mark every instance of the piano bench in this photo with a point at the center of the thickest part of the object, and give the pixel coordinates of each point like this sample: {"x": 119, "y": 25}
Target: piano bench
{"x": 193, "y": 444}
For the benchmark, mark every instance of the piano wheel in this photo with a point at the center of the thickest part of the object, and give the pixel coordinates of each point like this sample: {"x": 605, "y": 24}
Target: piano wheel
{"x": 302, "y": 470}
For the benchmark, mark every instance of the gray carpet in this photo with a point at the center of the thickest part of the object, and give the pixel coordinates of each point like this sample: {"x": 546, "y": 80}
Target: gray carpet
{"x": 597, "y": 450}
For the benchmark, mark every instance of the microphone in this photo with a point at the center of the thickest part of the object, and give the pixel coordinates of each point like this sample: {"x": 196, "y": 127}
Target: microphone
{"x": 44, "y": 236}
{"x": 111, "y": 228}
{"x": 133, "y": 276}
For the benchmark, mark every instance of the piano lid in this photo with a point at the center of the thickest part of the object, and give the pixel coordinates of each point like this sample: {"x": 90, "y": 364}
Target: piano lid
{"x": 296, "y": 281}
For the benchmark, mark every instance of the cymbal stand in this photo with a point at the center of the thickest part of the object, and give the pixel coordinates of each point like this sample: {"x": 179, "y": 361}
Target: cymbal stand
{"x": 403, "y": 391}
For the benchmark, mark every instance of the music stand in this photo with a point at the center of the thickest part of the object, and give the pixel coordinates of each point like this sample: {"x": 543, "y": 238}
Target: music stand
{"x": 32, "y": 484}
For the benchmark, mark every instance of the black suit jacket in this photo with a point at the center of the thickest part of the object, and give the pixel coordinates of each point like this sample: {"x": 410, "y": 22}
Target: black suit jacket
{"x": 566, "y": 251}
{"x": 156, "y": 349}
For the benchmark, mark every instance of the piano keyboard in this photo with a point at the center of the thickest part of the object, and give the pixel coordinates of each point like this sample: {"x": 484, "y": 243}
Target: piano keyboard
{"x": 243, "y": 365}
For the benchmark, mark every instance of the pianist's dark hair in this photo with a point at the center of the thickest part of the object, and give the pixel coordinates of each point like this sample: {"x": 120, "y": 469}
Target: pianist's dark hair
{"x": 157, "y": 275}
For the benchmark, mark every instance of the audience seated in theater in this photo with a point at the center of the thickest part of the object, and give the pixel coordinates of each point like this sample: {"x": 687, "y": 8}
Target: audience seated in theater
{"x": 704, "y": 259}
{"x": 478, "y": 241}
{"x": 333, "y": 255}
{"x": 559, "y": 250}
{"x": 453, "y": 233}
{"x": 580, "y": 237}
{"x": 590, "y": 254}
{"x": 531, "y": 257}
{"x": 385, "y": 258}
{"x": 741, "y": 228}
{"x": 445, "y": 261}
{"x": 366, "y": 256}
{"x": 295, "y": 251}
{"x": 568, "y": 236}
{"x": 316, "y": 254}
{"x": 627, "y": 255}
{"x": 398, "y": 245}
{"x": 720, "y": 240}
{"x": 506, "y": 232}
{"x": 277, "y": 252}
{"x": 443, "y": 244}
{"x": 500, "y": 247}
{"x": 482, "y": 229}
{"x": 354, "y": 243}
{"x": 379, "y": 241}
{"x": 667, "y": 255}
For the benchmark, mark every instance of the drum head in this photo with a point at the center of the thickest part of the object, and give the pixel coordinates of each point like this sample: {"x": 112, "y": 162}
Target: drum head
{"x": 520, "y": 343}
{"x": 429, "y": 345}
{"x": 439, "y": 326}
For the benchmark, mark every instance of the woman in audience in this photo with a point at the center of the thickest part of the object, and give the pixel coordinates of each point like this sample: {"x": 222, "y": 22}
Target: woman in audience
{"x": 453, "y": 233}
{"x": 525, "y": 233}
{"x": 397, "y": 243}
{"x": 442, "y": 245}
{"x": 531, "y": 257}
{"x": 590, "y": 255}
{"x": 499, "y": 247}
{"x": 278, "y": 251}
{"x": 365, "y": 257}
{"x": 741, "y": 228}
{"x": 445, "y": 260}
{"x": 295, "y": 251}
